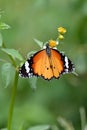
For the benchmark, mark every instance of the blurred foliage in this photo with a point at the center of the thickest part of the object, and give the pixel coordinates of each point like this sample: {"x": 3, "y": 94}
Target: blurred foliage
{"x": 48, "y": 100}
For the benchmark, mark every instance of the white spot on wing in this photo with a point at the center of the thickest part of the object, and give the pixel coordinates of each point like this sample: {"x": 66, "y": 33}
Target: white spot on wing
{"x": 30, "y": 74}
{"x": 27, "y": 67}
{"x": 66, "y": 62}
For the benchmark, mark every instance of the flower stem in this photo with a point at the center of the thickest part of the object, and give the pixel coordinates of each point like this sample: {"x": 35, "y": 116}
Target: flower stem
{"x": 12, "y": 101}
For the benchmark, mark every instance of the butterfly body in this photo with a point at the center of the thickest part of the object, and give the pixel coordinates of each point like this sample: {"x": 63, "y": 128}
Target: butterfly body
{"x": 48, "y": 63}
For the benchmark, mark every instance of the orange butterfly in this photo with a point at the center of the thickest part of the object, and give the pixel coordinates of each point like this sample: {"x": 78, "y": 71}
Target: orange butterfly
{"x": 48, "y": 63}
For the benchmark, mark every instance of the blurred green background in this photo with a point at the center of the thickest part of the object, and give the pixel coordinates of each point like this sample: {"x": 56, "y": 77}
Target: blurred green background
{"x": 40, "y": 19}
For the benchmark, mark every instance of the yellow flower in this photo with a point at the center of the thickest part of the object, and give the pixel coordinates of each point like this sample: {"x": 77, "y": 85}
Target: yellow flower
{"x": 60, "y": 37}
{"x": 53, "y": 43}
{"x": 61, "y": 30}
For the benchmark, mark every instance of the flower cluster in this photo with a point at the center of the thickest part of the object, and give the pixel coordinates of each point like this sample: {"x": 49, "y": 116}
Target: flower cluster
{"x": 61, "y": 32}
{"x": 53, "y": 43}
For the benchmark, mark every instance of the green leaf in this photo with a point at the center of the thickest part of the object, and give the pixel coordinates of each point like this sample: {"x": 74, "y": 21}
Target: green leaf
{"x": 4, "y": 26}
{"x": 1, "y": 40}
{"x": 40, "y": 127}
{"x": 33, "y": 81}
{"x": 38, "y": 42}
{"x": 6, "y": 74}
{"x": 14, "y": 53}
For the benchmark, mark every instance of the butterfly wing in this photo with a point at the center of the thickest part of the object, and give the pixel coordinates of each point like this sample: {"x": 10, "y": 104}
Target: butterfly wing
{"x": 37, "y": 65}
{"x": 61, "y": 63}
{"x": 25, "y": 70}
{"x": 41, "y": 65}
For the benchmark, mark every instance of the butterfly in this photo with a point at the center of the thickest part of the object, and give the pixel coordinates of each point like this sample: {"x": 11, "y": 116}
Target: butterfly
{"x": 48, "y": 63}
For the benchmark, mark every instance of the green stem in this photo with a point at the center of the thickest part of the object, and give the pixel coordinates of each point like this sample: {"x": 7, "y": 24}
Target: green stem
{"x": 12, "y": 101}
